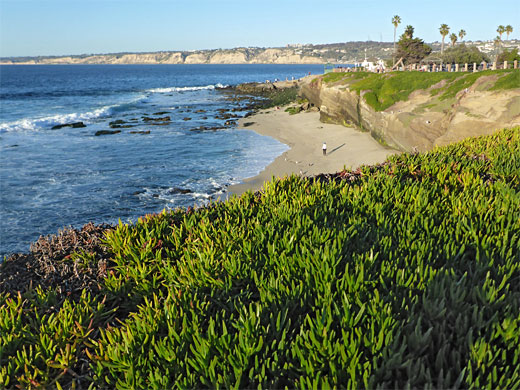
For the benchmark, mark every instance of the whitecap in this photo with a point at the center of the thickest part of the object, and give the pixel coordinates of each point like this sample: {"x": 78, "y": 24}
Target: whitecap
{"x": 183, "y": 89}
{"x": 46, "y": 122}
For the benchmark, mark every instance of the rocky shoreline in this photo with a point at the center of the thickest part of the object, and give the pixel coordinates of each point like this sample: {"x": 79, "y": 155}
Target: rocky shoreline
{"x": 37, "y": 264}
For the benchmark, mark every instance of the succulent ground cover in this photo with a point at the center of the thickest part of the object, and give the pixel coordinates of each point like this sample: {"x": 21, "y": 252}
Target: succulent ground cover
{"x": 404, "y": 274}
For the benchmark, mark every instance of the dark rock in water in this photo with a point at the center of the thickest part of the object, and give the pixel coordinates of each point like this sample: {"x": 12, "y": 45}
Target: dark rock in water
{"x": 248, "y": 114}
{"x": 139, "y": 192}
{"x": 186, "y": 119}
{"x": 176, "y": 190}
{"x": 155, "y": 195}
{"x": 161, "y": 112}
{"x": 207, "y": 128}
{"x": 226, "y": 116}
{"x": 106, "y": 132}
{"x": 160, "y": 124}
{"x": 121, "y": 126}
{"x": 230, "y": 123}
{"x": 117, "y": 122}
{"x": 74, "y": 125}
{"x": 247, "y": 124}
{"x": 200, "y": 111}
{"x": 240, "y": 109}
{"x": 13, "y": 146}
{"x": 222, "y": 110}
{"x": 140, "y": 132}
{"x": 162, "y": 119}
{"x": 204, "y": 117}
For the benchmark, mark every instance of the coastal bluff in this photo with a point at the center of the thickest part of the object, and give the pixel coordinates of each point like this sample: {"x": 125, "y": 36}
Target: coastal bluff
{"x": 413, "y": 111}
{"x": 227, "y": 56}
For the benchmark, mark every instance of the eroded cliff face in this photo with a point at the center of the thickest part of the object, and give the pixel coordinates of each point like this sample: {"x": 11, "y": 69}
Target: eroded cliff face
{"x": 422, "y": 121}
{"x": 231, "y": 56}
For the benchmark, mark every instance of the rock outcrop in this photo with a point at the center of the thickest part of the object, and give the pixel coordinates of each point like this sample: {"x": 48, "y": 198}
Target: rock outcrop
{"x": 422, "y": 121}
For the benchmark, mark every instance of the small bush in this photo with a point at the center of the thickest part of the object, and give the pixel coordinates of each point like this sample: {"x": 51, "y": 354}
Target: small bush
{"x": 293, "y": 110}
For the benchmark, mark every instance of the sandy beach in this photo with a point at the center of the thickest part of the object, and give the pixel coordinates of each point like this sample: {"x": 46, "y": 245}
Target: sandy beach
{"x": 305, "y": 134}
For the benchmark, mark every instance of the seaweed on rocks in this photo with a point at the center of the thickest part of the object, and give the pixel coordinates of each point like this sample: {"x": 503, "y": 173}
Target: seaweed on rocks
{"x": 261, "y": 95}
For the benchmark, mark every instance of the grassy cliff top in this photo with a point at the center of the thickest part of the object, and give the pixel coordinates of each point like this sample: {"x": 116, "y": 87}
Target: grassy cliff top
{"x": 405, "y": 274}
{"x": 385, "y": 89}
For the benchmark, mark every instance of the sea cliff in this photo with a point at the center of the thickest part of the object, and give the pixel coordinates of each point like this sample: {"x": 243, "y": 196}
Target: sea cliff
{"x": 228, "y": 56}
{"x": 414, "y": 111}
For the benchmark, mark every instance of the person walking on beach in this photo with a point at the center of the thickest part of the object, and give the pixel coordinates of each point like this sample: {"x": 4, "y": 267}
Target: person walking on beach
{"x": 324, "y": 148}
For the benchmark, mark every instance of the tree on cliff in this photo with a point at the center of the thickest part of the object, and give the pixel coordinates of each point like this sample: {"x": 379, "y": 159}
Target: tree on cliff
{"x": 409, "y": 31}
{"x": 444, "y": 30}
{"x": 411, "y": 49}
{"x": 462, "y": 54}
{"x": 396, "y": 20}
{"x": 509, "y": 55}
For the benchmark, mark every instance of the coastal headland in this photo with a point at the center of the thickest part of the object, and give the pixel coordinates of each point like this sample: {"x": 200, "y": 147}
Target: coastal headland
{"x": 435, "y": 109}
{"x": 416, "y": 111}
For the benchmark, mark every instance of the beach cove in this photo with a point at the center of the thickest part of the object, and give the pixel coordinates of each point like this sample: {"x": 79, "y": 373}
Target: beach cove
{"x": 347, "y": 147}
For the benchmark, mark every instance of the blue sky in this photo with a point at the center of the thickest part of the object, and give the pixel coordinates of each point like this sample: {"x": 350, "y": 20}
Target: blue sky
{"x": 59, "y": 27}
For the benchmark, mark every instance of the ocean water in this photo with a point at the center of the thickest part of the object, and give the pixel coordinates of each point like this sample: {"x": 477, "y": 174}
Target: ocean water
{"x": 67, "y": 177}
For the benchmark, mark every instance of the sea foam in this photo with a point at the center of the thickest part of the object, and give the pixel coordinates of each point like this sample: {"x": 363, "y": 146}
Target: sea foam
{"x": 46, "y": 122}
{"x": 184, "y": 89}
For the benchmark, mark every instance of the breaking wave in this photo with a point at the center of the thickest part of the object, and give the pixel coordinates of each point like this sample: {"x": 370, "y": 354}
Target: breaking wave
{"x": 46, "y": 122}
{"x": 184, "y": 89}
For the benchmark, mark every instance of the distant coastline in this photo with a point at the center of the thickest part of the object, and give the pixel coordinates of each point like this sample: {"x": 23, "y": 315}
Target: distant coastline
{"x": 336, "y": 53}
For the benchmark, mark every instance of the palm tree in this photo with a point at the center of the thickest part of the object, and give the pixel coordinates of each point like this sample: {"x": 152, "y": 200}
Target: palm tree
{"x": 396, "y": 20}
{"x": 500, "y": 30}
{"x": 509, "y": 30}
{"x": 453, "y": 38}
{"x": 462, "y": 34}
{"x": 497, "y": 41}
{"x": 444, "y": 30}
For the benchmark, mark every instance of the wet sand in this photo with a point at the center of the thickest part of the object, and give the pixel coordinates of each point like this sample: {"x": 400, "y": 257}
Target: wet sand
{"x": 305, "y": 134}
